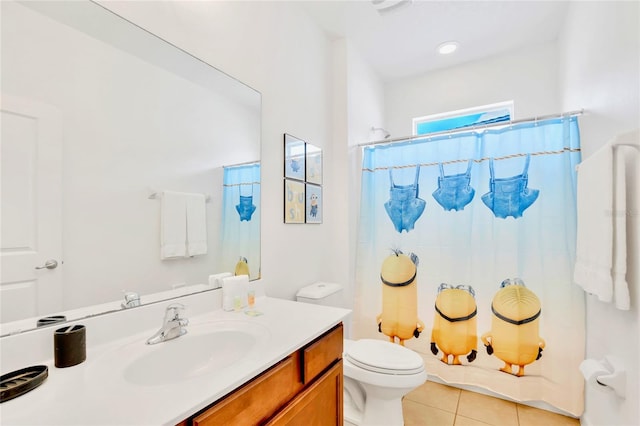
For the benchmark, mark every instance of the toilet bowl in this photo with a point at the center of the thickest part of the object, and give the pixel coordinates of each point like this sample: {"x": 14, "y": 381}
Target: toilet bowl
{"x": 377, "y": 373}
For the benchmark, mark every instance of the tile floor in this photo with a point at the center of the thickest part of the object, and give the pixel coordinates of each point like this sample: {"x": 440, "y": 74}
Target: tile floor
{"x": 434, "y": 404}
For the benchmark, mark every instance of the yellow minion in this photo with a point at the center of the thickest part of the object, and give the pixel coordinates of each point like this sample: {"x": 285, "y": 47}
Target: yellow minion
{"x": 455, "y": 323}
{"x": 242, "y": 267}
{"x": 399, "y": 317}
{"x": 514, "y": 335}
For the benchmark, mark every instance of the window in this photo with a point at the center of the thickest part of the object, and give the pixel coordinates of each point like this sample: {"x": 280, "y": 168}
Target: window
{"x": 486, "y": 114}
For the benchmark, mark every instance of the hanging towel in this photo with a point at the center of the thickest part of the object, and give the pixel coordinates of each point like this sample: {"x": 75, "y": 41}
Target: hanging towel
{"x": 601, "y": 246}
{"x": 173, "y": 225}
{"x": 619, "y": 270}
{"x": 196, "y": 224}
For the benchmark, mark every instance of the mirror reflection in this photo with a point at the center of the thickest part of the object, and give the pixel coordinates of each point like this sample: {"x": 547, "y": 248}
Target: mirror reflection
{"x": 128, "y": 165}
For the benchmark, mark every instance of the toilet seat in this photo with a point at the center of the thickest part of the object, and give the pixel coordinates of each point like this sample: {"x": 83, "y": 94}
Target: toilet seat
{"x": 384, "y": 357}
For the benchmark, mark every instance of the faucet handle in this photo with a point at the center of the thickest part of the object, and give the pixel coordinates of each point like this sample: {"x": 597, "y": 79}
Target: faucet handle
{"x": 173, "y": 312}
{"x": 131, "y": 299}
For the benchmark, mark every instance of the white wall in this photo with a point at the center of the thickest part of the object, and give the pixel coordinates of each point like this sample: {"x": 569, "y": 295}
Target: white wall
{"x": 528, "y": 77}
{"x": 274, "y": 48}
{"x": 365, "y": 92}
{"x": 600, "y": 72}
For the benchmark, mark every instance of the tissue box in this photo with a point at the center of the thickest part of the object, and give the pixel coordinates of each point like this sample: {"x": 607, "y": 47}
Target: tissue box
{"x": 234, "y": 292}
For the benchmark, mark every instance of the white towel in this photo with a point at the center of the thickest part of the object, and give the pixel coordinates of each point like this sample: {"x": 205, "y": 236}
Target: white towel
{"x": 196, "y": 224}
{"x": 173, "y": 225}
{"x": 620, "y": 286}
{"x": 601, "y": 245}
{"x": 215, "y": 280}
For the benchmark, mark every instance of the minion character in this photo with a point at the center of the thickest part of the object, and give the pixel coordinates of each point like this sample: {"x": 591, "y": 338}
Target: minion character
{"x": 455, "y": 324}
{"x": 242, "y": 267}
{"x": 399, "y": 317}
{"x": 314, "y": 205}
{"x": 514, "y": 335}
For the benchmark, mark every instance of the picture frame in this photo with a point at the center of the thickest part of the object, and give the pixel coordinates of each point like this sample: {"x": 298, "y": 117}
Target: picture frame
{"x": 294, "y": 201}
{"x": 313, "y": 204}
{"x": 313, "y": 164}
{"x": 294, "y": 157}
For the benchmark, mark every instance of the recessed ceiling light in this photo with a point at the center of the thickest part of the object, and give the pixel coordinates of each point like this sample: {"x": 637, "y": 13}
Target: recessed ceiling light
{"x": 448, "y": 47}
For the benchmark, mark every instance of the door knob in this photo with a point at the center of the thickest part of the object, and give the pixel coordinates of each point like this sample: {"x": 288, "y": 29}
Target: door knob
{"x": 49, "y": 264}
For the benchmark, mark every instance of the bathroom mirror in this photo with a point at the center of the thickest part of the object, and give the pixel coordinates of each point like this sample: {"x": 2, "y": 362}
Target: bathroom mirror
{"x": 99, "y": 118}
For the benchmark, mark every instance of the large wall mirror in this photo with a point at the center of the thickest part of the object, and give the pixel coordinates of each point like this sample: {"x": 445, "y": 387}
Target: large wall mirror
{"x": 100, "y": 121}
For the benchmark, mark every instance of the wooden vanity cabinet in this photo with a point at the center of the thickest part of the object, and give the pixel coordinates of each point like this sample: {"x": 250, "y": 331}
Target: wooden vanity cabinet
{"x": 305, "y": 388}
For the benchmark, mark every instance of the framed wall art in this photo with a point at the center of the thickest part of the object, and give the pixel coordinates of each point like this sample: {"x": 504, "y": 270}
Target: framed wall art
{"x": 294, "y": 201}
{"x": 313, "y": 162}
{"x": 294, "y": 157}
{"x": 302, "y": 181}
{"x": 313, "y": 206}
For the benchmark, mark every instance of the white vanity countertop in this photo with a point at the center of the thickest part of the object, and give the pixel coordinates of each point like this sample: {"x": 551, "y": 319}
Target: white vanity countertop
{"x": 81, "y": 395}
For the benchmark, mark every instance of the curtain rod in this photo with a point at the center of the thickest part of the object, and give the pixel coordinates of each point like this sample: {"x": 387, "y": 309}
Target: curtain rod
{"x": 476, "y": 127}
{"x": 246, "y": 163}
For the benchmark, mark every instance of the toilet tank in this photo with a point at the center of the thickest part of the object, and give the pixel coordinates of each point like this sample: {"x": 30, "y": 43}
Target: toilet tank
{"x": 327, "y": 294}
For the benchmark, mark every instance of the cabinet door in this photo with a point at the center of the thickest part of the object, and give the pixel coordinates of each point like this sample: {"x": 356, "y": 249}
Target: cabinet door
{"x": 318, "y": 405}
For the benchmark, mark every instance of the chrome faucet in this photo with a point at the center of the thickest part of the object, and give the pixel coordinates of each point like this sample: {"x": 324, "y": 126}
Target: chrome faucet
{"x": 131, "y": 299}
{"x": 172, "y": 326}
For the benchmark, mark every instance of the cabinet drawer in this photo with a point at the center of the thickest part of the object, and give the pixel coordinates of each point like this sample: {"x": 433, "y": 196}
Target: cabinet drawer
{"x": 257, "y": 401}
{"x": 319, "y": 355}
{"x": 318, "y": 405}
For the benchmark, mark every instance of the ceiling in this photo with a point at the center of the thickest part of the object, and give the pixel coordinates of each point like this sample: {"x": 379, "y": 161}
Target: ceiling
{"x": 402, "y": 42}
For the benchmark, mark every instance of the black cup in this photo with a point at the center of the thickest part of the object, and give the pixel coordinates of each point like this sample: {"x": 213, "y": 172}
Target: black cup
{"x": 70, "y": 344}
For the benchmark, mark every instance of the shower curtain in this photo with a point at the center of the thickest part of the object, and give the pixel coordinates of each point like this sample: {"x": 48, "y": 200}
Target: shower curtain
{"x": 465, "y": 252}
{"x": 240, "y": 236}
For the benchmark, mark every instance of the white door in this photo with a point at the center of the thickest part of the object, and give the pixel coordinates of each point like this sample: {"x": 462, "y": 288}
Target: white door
{"x": 30, "y": 209}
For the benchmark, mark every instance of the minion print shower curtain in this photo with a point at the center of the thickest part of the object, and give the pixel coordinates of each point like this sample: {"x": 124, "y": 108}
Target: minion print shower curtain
{"x": 240, "y": 236}
{"x": 466, "y": 246}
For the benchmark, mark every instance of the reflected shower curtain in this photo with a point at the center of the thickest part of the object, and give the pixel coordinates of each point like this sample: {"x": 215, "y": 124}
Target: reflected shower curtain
{"x": 468, "y": 242}
{"x": 241, "y": 218}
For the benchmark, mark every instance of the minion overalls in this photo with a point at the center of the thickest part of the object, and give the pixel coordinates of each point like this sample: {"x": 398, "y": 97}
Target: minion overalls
{"x": 509, "y": 196}
{"x": 404, "y": 207}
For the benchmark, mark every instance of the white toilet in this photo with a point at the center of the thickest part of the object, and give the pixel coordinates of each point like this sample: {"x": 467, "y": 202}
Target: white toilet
{"x": 377, "y": 373}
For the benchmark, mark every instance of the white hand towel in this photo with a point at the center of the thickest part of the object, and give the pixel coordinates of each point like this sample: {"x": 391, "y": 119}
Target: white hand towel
{"x": 173, "y": 225}
{"x": 215, "y": 280}
{"x": 619, "y": 270}
{"x": 196, "y": 224}
{"x": 601, "y": 245}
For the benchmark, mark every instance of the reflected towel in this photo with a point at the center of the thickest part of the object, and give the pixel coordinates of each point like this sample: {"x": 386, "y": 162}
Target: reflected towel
{"x": 173, "y": 225}
{"x": 196, "y": 224}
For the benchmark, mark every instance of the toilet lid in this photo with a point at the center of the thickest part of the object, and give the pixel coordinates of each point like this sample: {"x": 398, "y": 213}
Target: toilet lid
{"x": 384, "y": 357}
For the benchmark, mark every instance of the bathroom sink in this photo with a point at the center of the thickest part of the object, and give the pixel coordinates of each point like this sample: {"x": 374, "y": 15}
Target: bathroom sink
{"x": 207, "y": 348}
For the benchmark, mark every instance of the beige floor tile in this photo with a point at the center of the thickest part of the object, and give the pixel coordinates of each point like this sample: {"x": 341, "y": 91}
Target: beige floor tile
{"x": 493, "y": 411}
{"x": 466, "y": 421}
{"x": 436, "y": 395}
{"x": 416, "y": 414}
{"x": 529, "y": 416}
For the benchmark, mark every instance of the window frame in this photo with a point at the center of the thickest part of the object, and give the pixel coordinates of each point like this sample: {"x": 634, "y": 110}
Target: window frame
{"x": 483, "y": 109}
